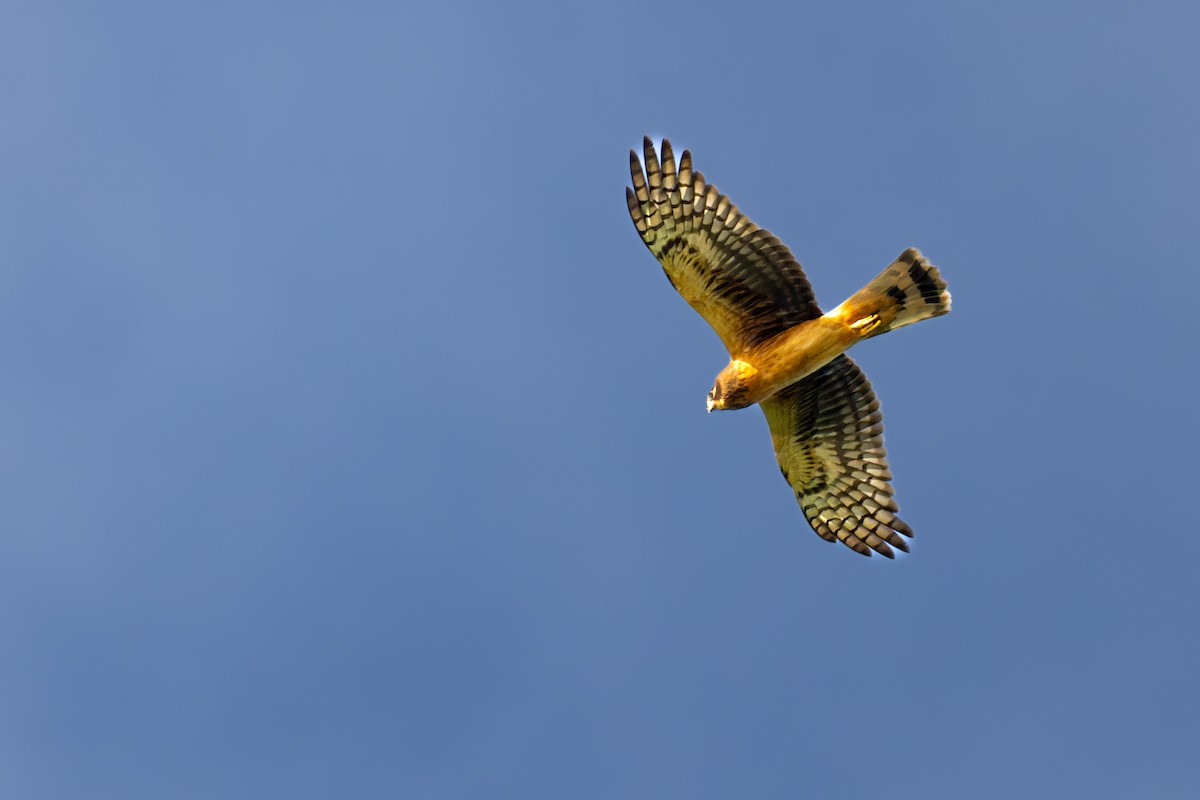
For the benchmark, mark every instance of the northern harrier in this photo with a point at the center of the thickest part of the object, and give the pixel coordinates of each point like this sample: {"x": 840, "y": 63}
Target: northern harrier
{"x": 786, "y": 355}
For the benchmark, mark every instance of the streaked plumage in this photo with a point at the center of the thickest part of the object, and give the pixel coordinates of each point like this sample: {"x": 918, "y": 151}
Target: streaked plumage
{"x": 785, "y": 354}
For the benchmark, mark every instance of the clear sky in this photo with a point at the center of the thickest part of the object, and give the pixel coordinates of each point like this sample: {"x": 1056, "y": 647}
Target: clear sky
{"x": 352, "y": 444}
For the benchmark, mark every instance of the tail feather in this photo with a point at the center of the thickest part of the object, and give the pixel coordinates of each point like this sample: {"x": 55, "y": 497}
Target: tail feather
{"x": 909, "y": 290}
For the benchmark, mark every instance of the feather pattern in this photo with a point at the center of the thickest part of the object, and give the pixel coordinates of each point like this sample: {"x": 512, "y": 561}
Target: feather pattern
{"x": 744, "y": 282}
{"x": 828, "y": 436}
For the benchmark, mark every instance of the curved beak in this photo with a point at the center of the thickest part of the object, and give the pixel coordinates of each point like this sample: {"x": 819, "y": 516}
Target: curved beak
{"x": 708, "y": 404}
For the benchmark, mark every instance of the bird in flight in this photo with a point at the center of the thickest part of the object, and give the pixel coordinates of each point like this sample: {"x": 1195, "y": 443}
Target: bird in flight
{"x": 785, "y": 354}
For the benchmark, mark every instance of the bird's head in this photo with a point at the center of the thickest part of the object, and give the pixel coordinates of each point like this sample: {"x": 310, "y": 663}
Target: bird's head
{"x": 731, "y": 390}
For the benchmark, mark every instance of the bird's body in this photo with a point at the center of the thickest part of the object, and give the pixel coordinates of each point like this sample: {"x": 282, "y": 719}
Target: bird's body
{"x": 786, "y": 355}
{"x": 784, "y": 359}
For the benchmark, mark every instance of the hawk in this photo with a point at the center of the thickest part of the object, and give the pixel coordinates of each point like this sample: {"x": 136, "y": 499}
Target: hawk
{"x": 785, "y": 354}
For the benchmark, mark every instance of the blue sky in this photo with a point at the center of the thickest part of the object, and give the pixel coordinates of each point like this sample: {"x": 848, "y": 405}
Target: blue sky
{"x": 353, "y": 445}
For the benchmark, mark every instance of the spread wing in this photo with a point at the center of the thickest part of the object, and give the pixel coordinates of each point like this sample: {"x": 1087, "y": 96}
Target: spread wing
{"x": 742, "y": 280}
{"x": 828, "y": 436}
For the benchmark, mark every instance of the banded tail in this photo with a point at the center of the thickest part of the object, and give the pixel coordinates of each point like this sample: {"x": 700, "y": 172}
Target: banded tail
{"x": 909, "y": 290}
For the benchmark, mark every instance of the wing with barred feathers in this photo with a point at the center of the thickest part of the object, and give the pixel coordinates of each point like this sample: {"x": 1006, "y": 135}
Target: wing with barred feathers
{"x": 744, "y": 282}
{"x": 828, "y": 436}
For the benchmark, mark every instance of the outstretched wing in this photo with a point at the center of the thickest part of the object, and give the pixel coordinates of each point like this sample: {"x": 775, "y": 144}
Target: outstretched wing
{"x": 742, "y": 280}
{"x": 828, "y": 436}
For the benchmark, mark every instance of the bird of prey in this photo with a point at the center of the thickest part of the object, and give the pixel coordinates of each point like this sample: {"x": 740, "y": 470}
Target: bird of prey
{"x": 786, "y": 355}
